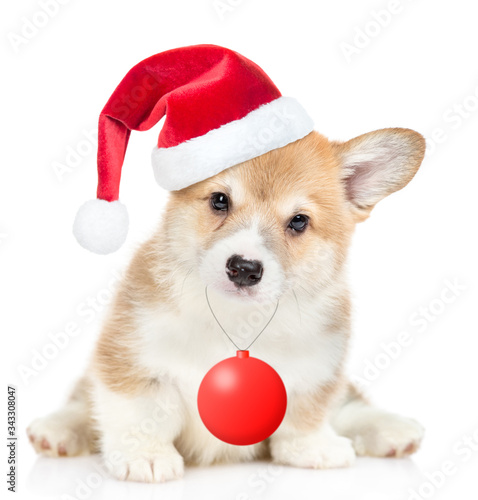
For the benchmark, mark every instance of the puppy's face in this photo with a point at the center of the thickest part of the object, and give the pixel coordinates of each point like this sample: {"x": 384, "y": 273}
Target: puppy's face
{"x": 284, "y": 220}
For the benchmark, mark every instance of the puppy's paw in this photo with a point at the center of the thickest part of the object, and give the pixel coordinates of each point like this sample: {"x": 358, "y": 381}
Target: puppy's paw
{"x": 57, "y": 435}
{"x": 325, "y": 450}
{"x": 159, "y": 467}
{"x": 388, "y": 435}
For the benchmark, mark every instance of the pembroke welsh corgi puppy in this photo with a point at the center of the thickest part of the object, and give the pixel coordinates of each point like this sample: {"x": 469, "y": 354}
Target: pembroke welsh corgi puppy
{"x": 274, "y": 229}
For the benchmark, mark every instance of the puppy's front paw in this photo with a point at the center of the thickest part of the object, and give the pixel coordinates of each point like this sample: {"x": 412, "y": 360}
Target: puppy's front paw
{"x": 58, "y": 435}
{"x": 388, "y": 435}
{"x": 324, "y": 450}
{"x": 149, "y": 468}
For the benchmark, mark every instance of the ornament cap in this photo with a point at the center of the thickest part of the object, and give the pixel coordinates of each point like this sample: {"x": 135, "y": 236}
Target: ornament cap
{"x": 242, "y": 400}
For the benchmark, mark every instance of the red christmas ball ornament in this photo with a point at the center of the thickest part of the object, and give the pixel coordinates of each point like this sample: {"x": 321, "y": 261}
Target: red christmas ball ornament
{"x": 242, "y": 400}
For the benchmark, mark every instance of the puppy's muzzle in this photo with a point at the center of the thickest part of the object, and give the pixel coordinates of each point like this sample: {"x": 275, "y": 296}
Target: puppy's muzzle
{"x": 244, "y": 272}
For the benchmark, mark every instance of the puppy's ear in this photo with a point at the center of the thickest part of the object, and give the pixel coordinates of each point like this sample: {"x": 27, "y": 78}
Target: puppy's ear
{"x": 377, "y": 164}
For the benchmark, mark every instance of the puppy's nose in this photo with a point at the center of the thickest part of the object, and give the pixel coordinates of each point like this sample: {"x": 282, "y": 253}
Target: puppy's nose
{"x": 244, "y": 272}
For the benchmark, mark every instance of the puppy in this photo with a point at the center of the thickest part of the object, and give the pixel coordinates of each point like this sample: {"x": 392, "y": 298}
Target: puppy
{"x": 272, "y": 229}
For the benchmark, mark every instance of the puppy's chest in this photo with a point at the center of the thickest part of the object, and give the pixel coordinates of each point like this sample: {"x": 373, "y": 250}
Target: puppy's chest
{"x": 183, "y": 348}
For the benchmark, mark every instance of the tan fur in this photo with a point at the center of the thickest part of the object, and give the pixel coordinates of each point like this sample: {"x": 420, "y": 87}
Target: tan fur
{"x": 308, "y": 411}
{"x": 114, "y": 360}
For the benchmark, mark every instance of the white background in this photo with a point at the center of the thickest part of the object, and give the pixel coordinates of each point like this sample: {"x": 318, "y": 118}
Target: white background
{"x": 418, "y": 71}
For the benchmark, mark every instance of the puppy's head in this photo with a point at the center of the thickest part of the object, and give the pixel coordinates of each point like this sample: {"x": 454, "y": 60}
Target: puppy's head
{"x": 284, "y": 220}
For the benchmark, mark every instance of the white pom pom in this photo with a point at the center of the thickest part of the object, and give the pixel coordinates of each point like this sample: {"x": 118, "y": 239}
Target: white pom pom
{"x": 101, "y": 226}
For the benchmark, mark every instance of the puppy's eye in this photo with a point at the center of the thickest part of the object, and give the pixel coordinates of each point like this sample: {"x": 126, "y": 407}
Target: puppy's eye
{"x": 219, "y": 201}
{"x": 299, "y": 223}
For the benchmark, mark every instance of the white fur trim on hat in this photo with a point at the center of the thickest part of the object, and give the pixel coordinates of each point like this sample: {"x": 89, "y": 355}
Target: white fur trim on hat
{"x": 101, "y": 226}
{"x": 271, "y": 126}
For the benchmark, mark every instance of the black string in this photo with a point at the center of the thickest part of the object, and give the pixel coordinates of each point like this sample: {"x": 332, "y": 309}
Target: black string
{"x": 227, "y": 335}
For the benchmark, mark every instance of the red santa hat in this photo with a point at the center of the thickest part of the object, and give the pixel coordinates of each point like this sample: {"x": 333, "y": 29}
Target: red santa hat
{"x": 220, "y": 109}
